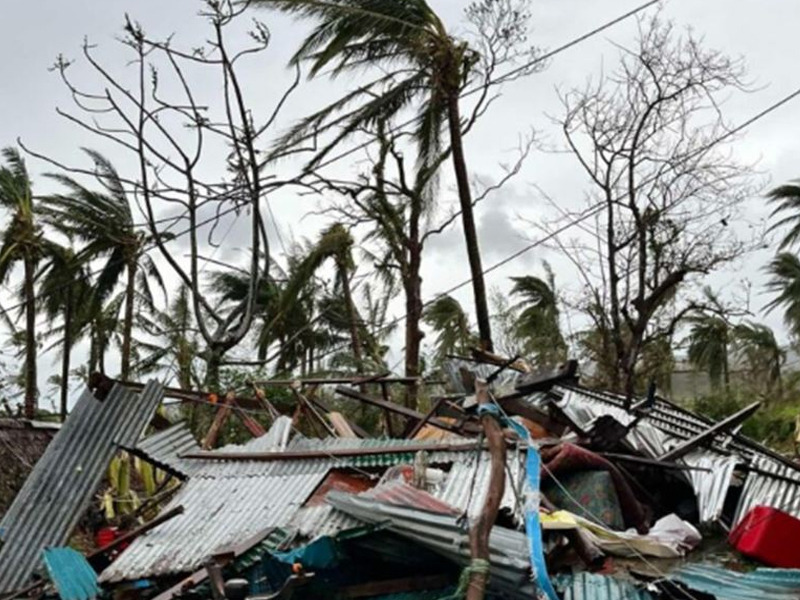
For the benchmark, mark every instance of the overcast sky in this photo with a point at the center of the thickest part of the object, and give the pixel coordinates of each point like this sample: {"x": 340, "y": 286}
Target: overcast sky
{"x": 33, "y": 33}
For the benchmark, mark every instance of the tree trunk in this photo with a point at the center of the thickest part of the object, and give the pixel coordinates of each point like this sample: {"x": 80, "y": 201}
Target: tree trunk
{"x": 413, "y": 290}
{"x": 127, "y": 323}
{"x": 30, "y": 339}
{"x": 65, "y": 355}
{"x": 468, "y": 221}
{"x": 355, "y": 340}
{"x": 213, "y": 362}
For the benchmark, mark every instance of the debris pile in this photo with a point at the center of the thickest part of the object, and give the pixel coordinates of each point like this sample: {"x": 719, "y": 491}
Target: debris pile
{"x": 513, "y": 485}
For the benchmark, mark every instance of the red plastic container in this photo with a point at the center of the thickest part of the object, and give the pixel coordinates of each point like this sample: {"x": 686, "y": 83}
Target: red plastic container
{"x": 770, "y": 536}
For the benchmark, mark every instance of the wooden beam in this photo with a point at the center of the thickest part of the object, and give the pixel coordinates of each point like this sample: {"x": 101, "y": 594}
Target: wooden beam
{"x": 480, "y": 530}
{"x": 332, "y": 452}
{"x": 313, "y": 411}
{"x": 355, "y": 380}
{"x": 397, "y": 409}
{"x": 422, "y": 422}
{"x": 341, "y": 425}
{"x": 709, "y": 434}
{"x": 253, "y": 426}
{"x": 220, "y": 418}
{"x": 321, "y": 406}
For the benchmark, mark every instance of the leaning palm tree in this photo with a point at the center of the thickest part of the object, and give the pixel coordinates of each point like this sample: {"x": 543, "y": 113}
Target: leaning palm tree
{"x": 785, "y": 283}
{"x": 756, "y": 344}
{"x": 709, "y": 344}
{"x": 538, "y": 319}
{"x": 422, "y": 64}
{"x": 104, "y": 220}
{"x": 65, "y": 293}
{"x": 451, "y": 325}
{"x": 22, "y": 241}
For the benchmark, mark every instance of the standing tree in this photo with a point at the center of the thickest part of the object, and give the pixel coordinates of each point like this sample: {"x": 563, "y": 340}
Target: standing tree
{"x": 785, "y": 283}
{"x": 651, "y": 138}
{"x": 176, "y": 133}
{"x": 709, "y": 342}
{"x": 763, "y": 357}
{"x": 22, "y": 241}
{"x": 422, "y": 66}
{"x": 65, "y": 293}
{"x": 538, "y": 326}
{"x": 451, "y": 324}
{"x": 104, "y": 220}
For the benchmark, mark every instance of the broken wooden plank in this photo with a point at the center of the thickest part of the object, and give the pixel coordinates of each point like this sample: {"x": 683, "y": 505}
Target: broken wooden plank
{"x": 341, "y": 425}
{"x": 319, "y": 418}
{"x": 709, "y": 434}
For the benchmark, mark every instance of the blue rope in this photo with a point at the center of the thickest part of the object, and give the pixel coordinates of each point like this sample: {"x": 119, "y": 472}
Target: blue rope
{"x": 533, "y": 528}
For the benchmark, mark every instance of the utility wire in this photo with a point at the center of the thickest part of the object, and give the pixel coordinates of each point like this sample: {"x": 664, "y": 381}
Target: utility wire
{"x": 591, "y": 211}
{"x": 365, "y": 144}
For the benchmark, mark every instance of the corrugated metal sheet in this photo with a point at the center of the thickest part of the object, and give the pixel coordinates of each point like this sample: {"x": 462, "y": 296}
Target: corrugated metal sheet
{"x": 711, "y": 486}
{"x": 667, "y": 425}
{"x": 72, "y": 575}
{"x": 763, "y": 584}
{"x": 217, "y": 513}
{"x": 508, "y": 549}
{"x": 61, "y": 485}
{"x": 591, "y": 586}
{"x": 165, "y": 448}
{"x": 312, "y": 522}
{"x": 400, "y": 493}
{"x": 770, "y": 491}
{"x": 467, "y": 483}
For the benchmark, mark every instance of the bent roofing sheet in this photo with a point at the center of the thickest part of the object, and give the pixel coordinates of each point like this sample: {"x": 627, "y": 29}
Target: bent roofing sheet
{"x": 764, "y": 584}
{"x": 226, "y": 500}
{"x": 165, "y": 448}
{"x": 61, "y": 485}
{"x": 508, "y": 549}
{"x": 667, "y": 424}
{"x": 72, "y": 575}
{"x": 591, "y": 586}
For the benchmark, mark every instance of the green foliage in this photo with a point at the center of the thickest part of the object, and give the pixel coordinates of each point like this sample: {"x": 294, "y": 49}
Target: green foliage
{"x": 785, "y": 284}
{"x": 450, "y": 323}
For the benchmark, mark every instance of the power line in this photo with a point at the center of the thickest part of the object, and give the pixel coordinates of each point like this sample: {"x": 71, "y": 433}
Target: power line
{"x": 590, "y": 212}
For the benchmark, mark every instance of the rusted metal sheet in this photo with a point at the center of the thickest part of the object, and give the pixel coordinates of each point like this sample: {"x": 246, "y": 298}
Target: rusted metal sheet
{"x": 400, "y": 493}
{"x": 61, "y": 485}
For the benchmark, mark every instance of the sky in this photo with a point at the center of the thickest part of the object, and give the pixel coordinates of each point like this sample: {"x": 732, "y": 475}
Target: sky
{"x": 32, "y": 34}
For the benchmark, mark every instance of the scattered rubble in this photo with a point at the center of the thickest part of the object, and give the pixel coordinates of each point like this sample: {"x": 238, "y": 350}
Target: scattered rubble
{"x": 518, "y": 485}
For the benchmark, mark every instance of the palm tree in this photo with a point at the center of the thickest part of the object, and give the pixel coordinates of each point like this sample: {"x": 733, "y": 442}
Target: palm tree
{"x": 757, "y": 345}
{"x": 537, "y": 321}
{"x": 334, "y": 244}
{"x": 104, "y": 220}
{"x": 451, "y": 324}
{"x": 422, "y": 63}
{"x": 786, "y": 199}
{"x": 65, "y": 292}
{"x": 22, "y": 241}
{"x": 709, "y": 341}
{"x": 785, "y": 283}
{"x": 176, "y": 346}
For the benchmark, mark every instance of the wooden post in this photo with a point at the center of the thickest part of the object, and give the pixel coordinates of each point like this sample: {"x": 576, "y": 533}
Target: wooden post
{"x": 220, "y": 418}
{"x": 482, "y": 526}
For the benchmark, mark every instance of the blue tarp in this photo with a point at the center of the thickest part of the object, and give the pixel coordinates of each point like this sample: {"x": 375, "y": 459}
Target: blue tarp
{"x": 72, "y": 575}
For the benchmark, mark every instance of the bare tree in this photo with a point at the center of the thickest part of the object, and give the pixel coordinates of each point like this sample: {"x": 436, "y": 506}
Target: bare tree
{"x": 665, "y": 190}
{"x": 158, "y": 116}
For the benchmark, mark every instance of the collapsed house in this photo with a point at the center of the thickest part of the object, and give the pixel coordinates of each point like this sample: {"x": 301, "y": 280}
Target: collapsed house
{"x": 597, "y": 497}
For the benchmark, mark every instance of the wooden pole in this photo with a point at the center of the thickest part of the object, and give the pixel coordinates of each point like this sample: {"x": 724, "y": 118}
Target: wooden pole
{"x": 481, "y": 528}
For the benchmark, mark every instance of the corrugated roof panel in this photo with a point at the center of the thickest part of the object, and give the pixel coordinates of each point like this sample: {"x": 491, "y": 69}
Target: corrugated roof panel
{"x": 216, "y": 514}
{"x": 467, "y": 483}
{"x": 61, "y": 485}
{"x": 441, "y": 533}
{"x": 764, "y": 584}
{"x": 400, "y": 493}
{"x": 165, "y": 448}
{"x": 312, "y": 522}
{"x": 72, "y": 575}
{"x": 591, "y": 586}
{"x": 711, "y": 486}
{"x": 764, "y": 490}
